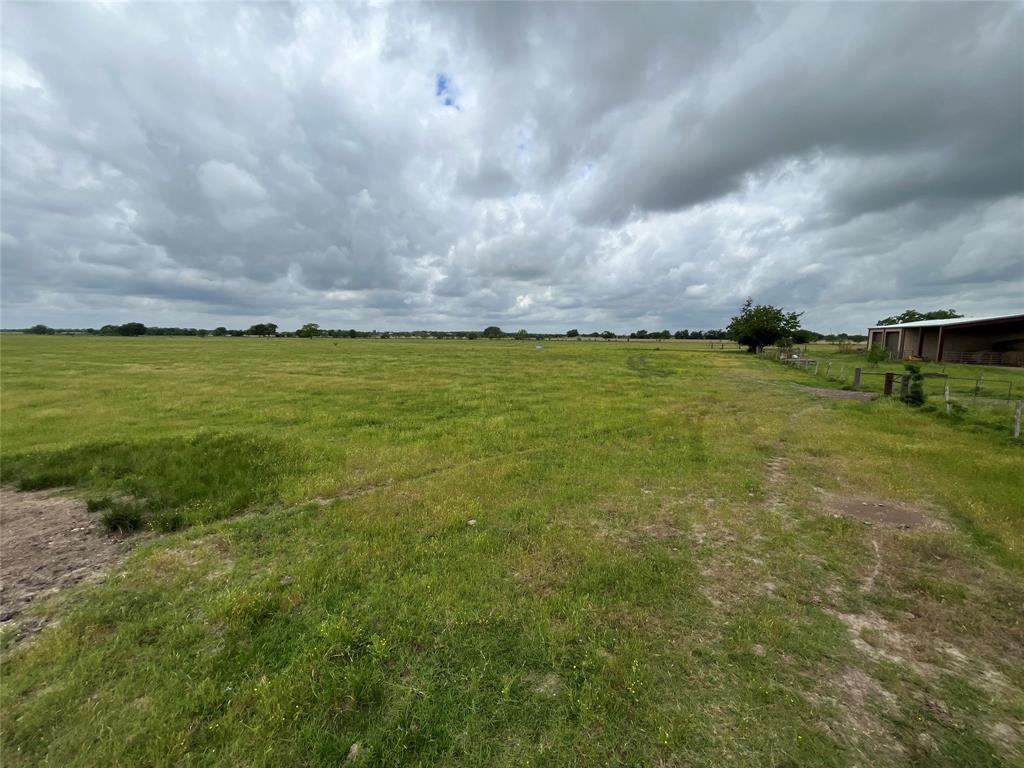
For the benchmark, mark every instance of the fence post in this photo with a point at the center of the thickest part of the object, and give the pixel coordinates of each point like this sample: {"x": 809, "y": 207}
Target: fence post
{"x": 949, "y": 405}
{"x": 828, "y": 370}
{"x": 887, "y": 388}
{"x": 977, "y": 386}
{"x": 856, "y": 378}
{"x": 842, "y": 372}
{"x": 1016, "y": 419}
{"x": 816, "y": 364}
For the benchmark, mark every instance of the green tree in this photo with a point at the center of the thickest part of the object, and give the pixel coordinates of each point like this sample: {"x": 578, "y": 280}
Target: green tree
{"x": 493, "y": 332}
{"x": 220, "y": 330}
{"x": 572, "y": 334}
{"x": 308, "y": 331}
{"x": 913, "y": 316}
{"x": 262, "y": 329}
{"x": 760, "y": 325}
{"x": 42, "y": 330}
{"x": 132, "y": 329}
{"x": 522, "y": 334}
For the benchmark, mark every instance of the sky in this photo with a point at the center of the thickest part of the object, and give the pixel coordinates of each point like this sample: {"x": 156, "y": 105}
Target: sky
{"x": 541, "y": 166}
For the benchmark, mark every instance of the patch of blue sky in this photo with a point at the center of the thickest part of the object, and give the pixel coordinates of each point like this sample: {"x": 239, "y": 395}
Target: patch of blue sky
{"x": 445, "y": 90}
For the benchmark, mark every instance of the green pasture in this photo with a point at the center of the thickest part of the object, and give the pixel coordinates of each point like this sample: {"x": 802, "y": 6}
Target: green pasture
{"x": 384, "y": 553}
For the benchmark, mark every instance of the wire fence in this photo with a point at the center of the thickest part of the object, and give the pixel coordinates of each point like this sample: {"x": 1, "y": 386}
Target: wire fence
{"x": 987, "y": 398}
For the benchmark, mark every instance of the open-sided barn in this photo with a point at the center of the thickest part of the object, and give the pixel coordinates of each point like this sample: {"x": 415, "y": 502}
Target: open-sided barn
{"x": 983, "y": 340}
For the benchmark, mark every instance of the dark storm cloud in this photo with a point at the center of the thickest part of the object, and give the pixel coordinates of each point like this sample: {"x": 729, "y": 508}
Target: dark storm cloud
{"x": 610, "y": 165}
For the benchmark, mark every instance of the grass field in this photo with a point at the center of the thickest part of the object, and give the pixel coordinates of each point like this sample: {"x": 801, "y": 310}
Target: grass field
{"x": 488, "y": 554}
{"x": 982, "y": 396}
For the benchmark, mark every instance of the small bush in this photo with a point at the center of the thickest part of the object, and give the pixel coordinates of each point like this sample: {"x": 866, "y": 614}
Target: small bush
{"x": 98, "y": 505}
{"x": 122, "y": 518}
{"x": 915, "y": 394}
{"x": 877, "y": 354}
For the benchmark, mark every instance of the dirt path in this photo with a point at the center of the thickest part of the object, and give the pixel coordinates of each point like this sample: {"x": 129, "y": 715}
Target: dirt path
{"x": 48, "y": 542}
{"x": 837, "y": 394}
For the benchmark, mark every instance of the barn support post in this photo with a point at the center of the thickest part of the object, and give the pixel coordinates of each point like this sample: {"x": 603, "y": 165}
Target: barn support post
{"x": 856, "y": 378}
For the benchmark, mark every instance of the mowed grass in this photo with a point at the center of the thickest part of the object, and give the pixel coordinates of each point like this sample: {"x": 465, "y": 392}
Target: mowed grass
{"x": 483, "y": 553}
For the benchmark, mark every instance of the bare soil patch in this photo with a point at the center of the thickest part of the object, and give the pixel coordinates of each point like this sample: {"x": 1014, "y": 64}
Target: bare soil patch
{"x": 875, "y": 511}
{"x": 48, "y": 542}
{"x": 837, "y": 394}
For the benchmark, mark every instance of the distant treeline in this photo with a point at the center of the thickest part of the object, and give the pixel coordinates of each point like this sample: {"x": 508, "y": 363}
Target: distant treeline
{"x": 311, "y": 330}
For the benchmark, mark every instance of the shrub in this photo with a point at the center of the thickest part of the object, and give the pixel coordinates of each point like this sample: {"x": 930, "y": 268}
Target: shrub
{"x": 877, "y": 354}
{"x": 122, "y": 518}
{"x": 915, "y": 395}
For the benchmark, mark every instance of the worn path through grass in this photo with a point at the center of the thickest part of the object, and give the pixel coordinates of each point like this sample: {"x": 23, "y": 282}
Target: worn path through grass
{"x": 655, "y": 575}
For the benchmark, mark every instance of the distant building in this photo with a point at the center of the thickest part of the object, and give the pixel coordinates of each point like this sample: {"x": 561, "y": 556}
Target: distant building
{"x": 983, "y": 340}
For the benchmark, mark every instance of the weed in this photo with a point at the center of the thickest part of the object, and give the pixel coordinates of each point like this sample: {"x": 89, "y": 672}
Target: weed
{"x": 122, "y": 518}
{"x": 98, "y": 504}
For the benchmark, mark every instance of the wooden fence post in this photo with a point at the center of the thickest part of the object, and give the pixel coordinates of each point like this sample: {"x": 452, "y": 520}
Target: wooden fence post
{"x": 949, "y": 405}
{"x": 887, "y": 388}
{"x": 828, "y": 370}
{"x": 816, "y": 364}
{"x": 842, "y": 372}
{"x": 1016, "y": 419}
{"x": 856, "y": 378}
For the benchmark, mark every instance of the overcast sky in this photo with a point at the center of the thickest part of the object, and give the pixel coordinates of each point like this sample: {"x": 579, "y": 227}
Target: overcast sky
{"x": 526, "y": 165}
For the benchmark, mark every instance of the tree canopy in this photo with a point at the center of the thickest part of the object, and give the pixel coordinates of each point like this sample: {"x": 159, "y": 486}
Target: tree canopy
{"x": 912, "y": 316}
{"x": 262, "y": 329}
{"x": 132, "y": 329}
{"x": 760, "y": 325}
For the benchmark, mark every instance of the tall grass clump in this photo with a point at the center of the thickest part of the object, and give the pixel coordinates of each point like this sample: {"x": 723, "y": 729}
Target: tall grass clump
{"x": 173, "y": 482}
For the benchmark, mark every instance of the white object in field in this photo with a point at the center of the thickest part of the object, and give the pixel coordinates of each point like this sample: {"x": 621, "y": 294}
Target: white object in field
{"x": 540, "y": 346}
